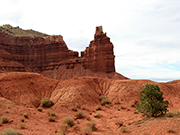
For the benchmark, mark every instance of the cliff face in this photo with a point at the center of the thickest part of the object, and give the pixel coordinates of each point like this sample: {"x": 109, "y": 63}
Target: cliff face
{"x": 33, "y": 54}
{"x": 99, "y": 55}
{"x": 41, "y": 54}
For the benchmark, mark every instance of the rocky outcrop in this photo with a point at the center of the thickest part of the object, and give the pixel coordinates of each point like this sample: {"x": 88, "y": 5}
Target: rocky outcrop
{"x": 35, "y": 54}
{"x": 41, "y": 54}
{"x": 99, "y": 56}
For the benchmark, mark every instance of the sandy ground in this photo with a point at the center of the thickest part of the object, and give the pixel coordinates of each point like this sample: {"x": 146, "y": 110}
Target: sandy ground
{"x": 21, "y": 93}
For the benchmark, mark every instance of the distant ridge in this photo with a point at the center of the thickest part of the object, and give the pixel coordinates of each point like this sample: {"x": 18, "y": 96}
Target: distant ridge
{"x": 16, "y": 31}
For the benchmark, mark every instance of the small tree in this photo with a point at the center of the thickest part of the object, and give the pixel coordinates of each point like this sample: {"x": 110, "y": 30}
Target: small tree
{"x": 151, "y": 101}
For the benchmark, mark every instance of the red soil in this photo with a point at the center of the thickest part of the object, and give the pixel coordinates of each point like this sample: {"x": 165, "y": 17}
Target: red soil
{"x": 21, "y": 92}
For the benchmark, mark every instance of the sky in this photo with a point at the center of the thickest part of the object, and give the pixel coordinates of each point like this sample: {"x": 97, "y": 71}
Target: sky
{"x": 145, "y": 33}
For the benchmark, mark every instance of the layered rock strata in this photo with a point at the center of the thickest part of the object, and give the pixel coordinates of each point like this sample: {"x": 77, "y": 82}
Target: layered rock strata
{"x": 48, "y": 53}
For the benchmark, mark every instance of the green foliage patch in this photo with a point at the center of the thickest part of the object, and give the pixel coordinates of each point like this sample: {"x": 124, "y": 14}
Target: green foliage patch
{"x": 151, "y": 101}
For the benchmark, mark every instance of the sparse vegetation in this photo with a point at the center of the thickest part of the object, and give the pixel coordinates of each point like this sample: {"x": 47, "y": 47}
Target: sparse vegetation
{"x": 22, "y": 119}
{"x": 50, "y": 112}
{"x": 170, "y": 130}
{"x": 26, "y": 115}
{"x": 98, "y": 107}
{"x": 46, "y": 102}
{"x": 10, "y": 131}
{"x": 16, "y": 31}
{"x": 97, "y": 115}
{"x": 91, "y": 125}
{"x": 170, "y": 114}
{"x": 104, "y": 100}
{"x": 123, "y": 129}
{"x": 52, "y": 118}
{"x": 4, "y": 119}
{"x": 64, "y": 128}
{"x": 40, "y": 109}
{"x": 122, "y": 106}
{"x": 84, "y": 107}
{"x": 151, "y": 101}
{"x": 79, "y": 115}
{"x": 69, "y": 121}
{"x": 22, "y": 125}
{"x": 132, "y": 103}
{"x": 119, "y": 122}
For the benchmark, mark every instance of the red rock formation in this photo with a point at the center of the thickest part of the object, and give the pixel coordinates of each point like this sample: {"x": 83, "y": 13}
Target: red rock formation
{"x": 49, "y": 53}
{"x": 99, "y": 55}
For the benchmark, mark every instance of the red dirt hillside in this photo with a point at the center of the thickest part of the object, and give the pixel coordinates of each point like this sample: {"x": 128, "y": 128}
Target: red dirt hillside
{"x": 21, "y": 93}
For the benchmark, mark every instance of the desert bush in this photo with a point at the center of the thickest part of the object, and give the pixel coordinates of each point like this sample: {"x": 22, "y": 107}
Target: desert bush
{"x": 122, "y": 106}
{"x": 170, "y": 130}
{"x": 40, "y": 109}
{"x": 98, "y": 107}
{"x": 84, "y": 107}
{"x": 170, "y": 114}
{"x": 119, "y": 122}
{"x": 10, "y": 131}
{"x": 22, "y": 119}
{"x": 52, "y": 118}
{"x": 104, "y": 100}
{"x": 4, "y": 119}
{"x": 135, "y": 111}
{"x": 26, "y": 115}
{"x": 74, "y": 107}
{"x": 91, "y": 125}
{"x": 69, "y": 121}
{"x": 22, "y": 125}
{"x": 97, "y": 115}
{"x": 86, "y": 130}
{"x": 79, "y": 115}
{"x": 64, "y": 128}
{"x": 123, "y": 129}
{"x": 102, "y": 97}
{"x": 50, "y": 112}
{"x": 46, "y": 102}
{"x": 151, "y": 101}
{"x": 133, "y": 104}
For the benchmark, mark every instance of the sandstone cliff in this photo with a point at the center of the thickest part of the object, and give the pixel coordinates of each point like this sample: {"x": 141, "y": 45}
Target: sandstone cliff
{"x": 50, "y": 56}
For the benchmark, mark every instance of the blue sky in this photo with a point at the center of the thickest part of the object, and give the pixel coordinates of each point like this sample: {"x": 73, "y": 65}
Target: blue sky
{"x": 145, "y": 33}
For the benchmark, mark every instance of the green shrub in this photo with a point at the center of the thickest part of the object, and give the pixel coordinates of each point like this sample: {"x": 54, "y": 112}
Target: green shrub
{"x": 122, "y": 106}
{"x": 40, "y": 109}
{"x": 102, "y": 97}
{"x": 50, "y": 112}
{"x": 123, "y": 129}
{"x": 91, "y": 125}
{"x": 104, "y": 100}
{"x": 22, "y": 125}
{"x": 4, "y": 119}
{"x": 87, "y": 130}
{"x": 52, "y": 118}
{"x": 84, "y": 107}
{"x": 151, "y": 101}
{"x": 64, "y": 128}
{"x": 119, "y": 122}
{"x": 10, "y": 131}
{"x": 170, "y": 114}
{"x": 69, "y": 121}
{"x": 22, "y": 119}
{"x": 98, "y": 107}
{"x": 79, "y": 115}
{"x": 26, "y": 115}
{"x": 46, "y": 102}
{"x": 74, "y": 107}
{"x": 97, "y": 115}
